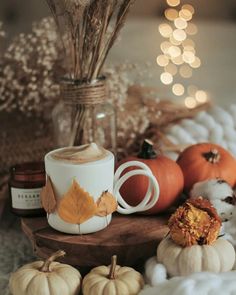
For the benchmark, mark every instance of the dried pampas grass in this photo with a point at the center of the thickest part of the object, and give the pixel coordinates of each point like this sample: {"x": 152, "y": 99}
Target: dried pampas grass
{"x": 88, "y": 30}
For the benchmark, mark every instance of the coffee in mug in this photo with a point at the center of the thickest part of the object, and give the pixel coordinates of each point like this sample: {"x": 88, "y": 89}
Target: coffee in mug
{"x": 92, "y": 168}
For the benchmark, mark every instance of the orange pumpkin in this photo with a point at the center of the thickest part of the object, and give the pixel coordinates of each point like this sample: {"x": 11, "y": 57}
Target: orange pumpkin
{"x": 205, "y": 161}
{"x": 167, "y": 173}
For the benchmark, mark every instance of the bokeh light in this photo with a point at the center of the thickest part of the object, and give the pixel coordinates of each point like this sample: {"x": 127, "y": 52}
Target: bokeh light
{"x": 188, "y": 42}
{"x": 174, "y": 51}
{"x": 190, "y": 102}
{"x": 171, "y": 14}
{"x": 173, "y": 3}
{"x": 196, "y": 63}
{"x": 201, "y": 96}
{"x": 185, "y": 14}
{"x": 181, "y": 23}
{"x": 189, "y": 7}
{"x": 165, "y": 46}
{"x": 172, "y": 69}
{"x": 192, "y": 89}
{"x": 191, "y": 29}
{"x": 165, "y": 30}
{"x": 162, "y": 60}
{"x": 178, "y": 56}
{"x": 179, "y": 35}
{"x": 166, "y": 78}
{"x": 185, "y": 71}
{"x": 177, "y": 60}
{"x": 178, "y": 89}
{"x": 188, "y": 57}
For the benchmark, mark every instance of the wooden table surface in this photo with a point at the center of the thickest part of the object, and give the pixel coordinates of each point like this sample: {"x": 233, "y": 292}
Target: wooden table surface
{"x": 133, "y": 239}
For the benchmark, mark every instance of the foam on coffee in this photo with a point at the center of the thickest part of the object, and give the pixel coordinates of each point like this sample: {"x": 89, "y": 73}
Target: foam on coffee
{"x": 79, "y": 155}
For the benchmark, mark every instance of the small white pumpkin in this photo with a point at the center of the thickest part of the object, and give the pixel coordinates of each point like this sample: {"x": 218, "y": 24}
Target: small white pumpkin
{"x": 46, "y": 278}
{"x": 179, "y": 261}
{"x": 112, "y": 280}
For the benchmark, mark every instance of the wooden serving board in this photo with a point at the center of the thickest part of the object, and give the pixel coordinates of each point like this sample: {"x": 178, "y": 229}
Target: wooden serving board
{"x": 133, "y": 239}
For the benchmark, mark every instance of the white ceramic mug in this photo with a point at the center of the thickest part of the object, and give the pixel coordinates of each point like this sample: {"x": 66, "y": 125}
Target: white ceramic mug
{"x": 96, "y": 177}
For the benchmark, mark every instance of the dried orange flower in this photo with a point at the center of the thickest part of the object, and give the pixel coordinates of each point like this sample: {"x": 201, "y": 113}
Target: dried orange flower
{"x": 196, "y": 222}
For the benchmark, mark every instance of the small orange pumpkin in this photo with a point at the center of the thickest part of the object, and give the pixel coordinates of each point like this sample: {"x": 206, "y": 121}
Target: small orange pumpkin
{"x": 167, "y": 173}
{"x": 206, "y": 161}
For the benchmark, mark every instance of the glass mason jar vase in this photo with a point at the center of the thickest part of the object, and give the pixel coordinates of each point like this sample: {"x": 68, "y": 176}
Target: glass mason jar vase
{"x": 83, "y": 115}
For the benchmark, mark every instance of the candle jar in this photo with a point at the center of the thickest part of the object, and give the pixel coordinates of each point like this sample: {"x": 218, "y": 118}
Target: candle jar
{"x": 26, "y": 183}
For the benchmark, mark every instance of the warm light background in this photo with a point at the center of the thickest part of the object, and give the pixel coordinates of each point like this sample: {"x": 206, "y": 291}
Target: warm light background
{"x": 18, "y": 14}
{"x": 140, "y": 42}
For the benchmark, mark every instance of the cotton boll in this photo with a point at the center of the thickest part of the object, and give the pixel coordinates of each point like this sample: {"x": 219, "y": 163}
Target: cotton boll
{"x": 219, "y": 193}
{"x": 221, "y": 116}
{"x": 206, "y": 120}
{"x": 155, "y": 272}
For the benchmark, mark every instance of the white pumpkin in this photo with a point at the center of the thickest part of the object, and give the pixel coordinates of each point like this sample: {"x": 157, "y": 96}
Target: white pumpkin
{"x": 112, "y": 280}
{"x": 46, "y": 278}
{"x": 179, "y": 261}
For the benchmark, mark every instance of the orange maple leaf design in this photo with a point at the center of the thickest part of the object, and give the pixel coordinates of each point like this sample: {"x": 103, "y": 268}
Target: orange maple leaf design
{"x": 106, "y": 204}
{"x": 47, "y": 196}
{"x": 76, "y": 206}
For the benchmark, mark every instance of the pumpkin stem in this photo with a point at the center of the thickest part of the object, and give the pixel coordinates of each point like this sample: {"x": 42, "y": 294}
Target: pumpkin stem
{"x": 112, "y": 273}
{"x": 46, "y": 266}
{"x": 147, "y": 151}
{"x": 213, "y": 156}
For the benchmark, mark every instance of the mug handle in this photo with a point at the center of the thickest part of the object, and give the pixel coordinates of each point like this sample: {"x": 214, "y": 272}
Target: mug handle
{"x": 152, "y": 194}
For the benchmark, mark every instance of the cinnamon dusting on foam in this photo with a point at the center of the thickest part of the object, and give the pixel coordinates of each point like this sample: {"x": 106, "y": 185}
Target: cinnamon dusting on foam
{"x": 80, "y": 155}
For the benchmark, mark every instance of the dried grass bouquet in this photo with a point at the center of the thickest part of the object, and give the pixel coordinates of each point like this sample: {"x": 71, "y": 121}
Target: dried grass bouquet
{"x": 88, "y": 30}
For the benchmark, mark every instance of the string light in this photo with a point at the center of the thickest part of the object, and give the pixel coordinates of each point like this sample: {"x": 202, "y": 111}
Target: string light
{"x": 166, "y": 78}
{"x": 178, "y": 56}
{"x": 171, "y": 14}
{"x": 201, "y": 96}
{"x": 185, "y": 71}
{"x": 162, "y": 60}
{"x": 165, "y": 30}
{"x": 190, "y": 102}
{"x": 172, "y": 69}
{"x": 178, "y": 89}
{"x": 173, "y": 3}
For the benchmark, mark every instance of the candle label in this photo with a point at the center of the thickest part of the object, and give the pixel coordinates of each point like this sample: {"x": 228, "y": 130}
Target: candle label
{"x": 26, "y": 198}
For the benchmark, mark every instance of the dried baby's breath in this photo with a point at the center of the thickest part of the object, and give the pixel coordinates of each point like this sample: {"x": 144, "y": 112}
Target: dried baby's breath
{"x": 27, "y": 70}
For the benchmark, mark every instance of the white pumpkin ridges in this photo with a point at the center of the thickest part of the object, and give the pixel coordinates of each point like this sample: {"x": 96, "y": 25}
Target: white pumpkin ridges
{"x": 226, "y": 261}
{"x": 167, "y": 253}
{"x": 210, "y": 259}
{"x": 112, "y": 280}
{"x": 179, "y": 261}
{"x": 190, "y": 260}
{"x": 46, "y": 278}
